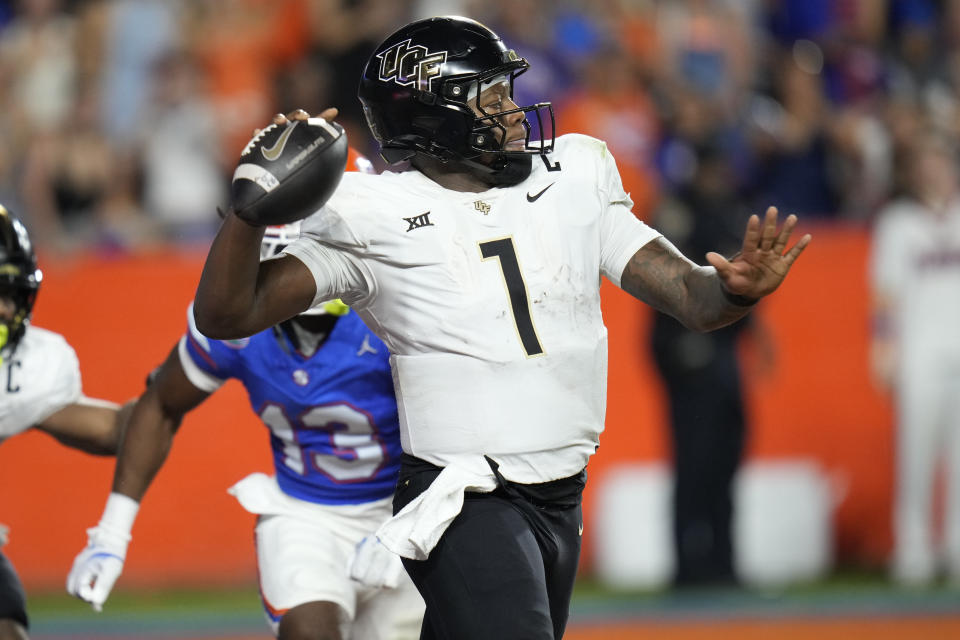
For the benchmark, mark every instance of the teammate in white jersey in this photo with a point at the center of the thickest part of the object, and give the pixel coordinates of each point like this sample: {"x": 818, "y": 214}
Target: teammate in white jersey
{"x": 479, "y": 266}
{"x": 40, "y": 388}
{"x": 915, "y": 274}
{"x": 321, "y": 384}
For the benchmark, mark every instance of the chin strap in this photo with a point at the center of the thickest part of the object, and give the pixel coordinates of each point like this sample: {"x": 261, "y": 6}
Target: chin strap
{"x": 513, "y": 170}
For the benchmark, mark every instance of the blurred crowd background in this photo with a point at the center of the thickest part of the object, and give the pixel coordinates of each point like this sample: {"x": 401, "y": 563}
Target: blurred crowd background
{"x": 123, "y": 119}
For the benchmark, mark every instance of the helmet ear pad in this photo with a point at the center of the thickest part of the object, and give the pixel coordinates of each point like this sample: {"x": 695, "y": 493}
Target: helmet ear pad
{"x": 443, "y": 126}
{"x": 433, "y": 128}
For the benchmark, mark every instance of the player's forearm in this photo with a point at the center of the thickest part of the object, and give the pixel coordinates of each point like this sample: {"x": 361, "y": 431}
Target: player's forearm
{"x": 661, "y": 276}
{"x": 708, "y": 307}
{"x": 90, "y": 425}
{"x": 120, "y": 424}
{"x": 225, "y": 304}
{"x": 145, "y": 447}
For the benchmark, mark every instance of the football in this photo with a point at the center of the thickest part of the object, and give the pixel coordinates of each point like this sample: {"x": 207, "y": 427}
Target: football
{"x": 286, "y": 172}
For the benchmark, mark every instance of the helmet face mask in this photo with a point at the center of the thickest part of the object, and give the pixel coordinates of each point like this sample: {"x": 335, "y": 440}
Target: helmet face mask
{"x": 416, "y": 92}
{"x": 19, "y": 279}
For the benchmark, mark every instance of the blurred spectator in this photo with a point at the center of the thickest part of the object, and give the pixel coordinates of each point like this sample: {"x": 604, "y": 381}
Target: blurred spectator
{"x": 702, "y": 376}
{"x": 38, "y": 77}
{"x": 708, "y": 49}
{"x": 126, "y": 38}
{"x": 343, "y": 34}
{"x": 861, "y": 162}
{"x": 80, "y": 192}
{"x": 6, "y": 12}
{"x": 610, "y": 103}
{"x": 918, "y": 70}
{"x": 915, "y": 272}
{"x": 791, "y": 141}
{"x": 853, "y": 69}
{"x": 634, "y": 24}
{"x": 241, "y": 45}
{"x": 694, "y": 122}
{"x": 550, "y": 76}
{"x": 183, "y": 178}
{"x": 791, "y": 20}
{"x": 38, "y": 67}
{"x": 67, "y": 174}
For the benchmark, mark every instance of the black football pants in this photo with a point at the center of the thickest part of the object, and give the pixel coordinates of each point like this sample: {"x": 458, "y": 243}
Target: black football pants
{"x": 13, "y": 602}
{"x": 505, "y": 567}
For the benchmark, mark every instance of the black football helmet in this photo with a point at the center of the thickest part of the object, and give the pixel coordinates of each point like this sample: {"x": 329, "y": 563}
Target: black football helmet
{"x": 415, "y": 91}
{"x": 19, "y": 278}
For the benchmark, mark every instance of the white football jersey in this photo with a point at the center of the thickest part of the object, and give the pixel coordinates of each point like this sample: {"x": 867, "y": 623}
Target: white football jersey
{"x": 489, "y": 302}
{"x": 916, "y": 263}
{"x": 42, "y": 377}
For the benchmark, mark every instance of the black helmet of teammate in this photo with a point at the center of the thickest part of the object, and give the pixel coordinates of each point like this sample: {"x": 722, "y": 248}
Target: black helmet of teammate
{"x": 19, "y": 278}
{"x": 415, "y": 91}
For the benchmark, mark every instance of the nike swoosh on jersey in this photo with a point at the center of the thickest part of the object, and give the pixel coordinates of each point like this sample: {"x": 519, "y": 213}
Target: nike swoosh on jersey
{"x": 276, "y": 150}
{"x": 533, "y": 198}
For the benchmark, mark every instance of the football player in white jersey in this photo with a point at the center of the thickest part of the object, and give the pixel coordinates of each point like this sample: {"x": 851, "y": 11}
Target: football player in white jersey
{"x": 479, "y": 265}
{"x": 39, "y": 389}
{"x": 915, "y": 277}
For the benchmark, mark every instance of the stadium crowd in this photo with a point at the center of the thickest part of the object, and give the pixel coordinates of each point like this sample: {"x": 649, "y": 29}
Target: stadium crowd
{"x": 122, "y": 119}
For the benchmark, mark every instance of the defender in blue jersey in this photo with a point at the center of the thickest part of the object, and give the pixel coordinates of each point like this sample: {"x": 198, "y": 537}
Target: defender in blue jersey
{"x": 330, "y": 407}
{"x": 321, "y": 383}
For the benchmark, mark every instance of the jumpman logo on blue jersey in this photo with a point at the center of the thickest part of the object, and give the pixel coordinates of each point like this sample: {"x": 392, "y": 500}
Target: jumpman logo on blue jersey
{"x": 365, "y": 347}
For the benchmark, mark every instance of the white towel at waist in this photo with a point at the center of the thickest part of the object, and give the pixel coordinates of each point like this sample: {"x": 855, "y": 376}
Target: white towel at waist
{"x": 416, "y": 529}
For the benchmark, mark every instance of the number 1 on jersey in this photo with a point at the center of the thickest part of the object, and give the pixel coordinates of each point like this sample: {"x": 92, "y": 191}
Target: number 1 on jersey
{"x": 504, "y": 251}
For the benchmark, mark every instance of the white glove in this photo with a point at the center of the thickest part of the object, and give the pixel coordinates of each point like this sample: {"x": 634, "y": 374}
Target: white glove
{"x": 373, "y": 565}
{"x": 98, "y": 566}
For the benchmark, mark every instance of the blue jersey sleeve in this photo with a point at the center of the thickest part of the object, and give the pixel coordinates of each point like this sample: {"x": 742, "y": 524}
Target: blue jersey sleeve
{"x": 207, "y": 363}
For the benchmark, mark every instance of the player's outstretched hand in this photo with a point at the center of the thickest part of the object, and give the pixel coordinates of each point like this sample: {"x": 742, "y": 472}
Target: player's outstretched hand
{"x": 762, "y": 263}
{"x": 97, "y": 567}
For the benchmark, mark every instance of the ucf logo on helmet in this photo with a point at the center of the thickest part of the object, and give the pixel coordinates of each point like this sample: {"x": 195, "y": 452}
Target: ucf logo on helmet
{"x": 408, "y": 64}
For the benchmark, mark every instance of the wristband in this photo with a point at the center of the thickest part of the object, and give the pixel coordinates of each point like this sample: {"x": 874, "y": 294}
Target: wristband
{"x": 119, "y": 513}
{"x": 736, "y": 299}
